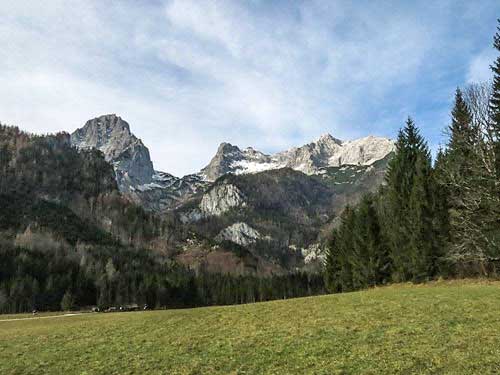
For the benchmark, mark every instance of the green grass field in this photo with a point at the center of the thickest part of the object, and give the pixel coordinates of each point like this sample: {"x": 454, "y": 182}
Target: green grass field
{"x": 449, "y": 328}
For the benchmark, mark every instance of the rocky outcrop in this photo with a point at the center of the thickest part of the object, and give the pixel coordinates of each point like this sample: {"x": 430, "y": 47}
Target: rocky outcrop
{"x": 135, "y": 175}
{"x": 363, "y": 151}
{"x": 128, "y": 155}
{"x": 314, "y": 253}
{"x": 240, "y": 233}
{"x": 310, "y": 157}
{"x": 220, "y": 199}
{"x": 230, "y": 159}
{"x": 168, "y": 192}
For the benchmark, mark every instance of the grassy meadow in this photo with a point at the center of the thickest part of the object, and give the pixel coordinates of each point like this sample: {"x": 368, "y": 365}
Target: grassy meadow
{"x": 442, "y": 328}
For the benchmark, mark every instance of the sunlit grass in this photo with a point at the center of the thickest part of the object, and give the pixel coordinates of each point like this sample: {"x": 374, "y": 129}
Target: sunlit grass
{"x": 451, "y": 328}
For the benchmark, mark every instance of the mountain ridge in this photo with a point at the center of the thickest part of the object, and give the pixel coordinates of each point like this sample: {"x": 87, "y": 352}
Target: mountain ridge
{"x": 326, "y": 151}
{"x": 160, "y": 191}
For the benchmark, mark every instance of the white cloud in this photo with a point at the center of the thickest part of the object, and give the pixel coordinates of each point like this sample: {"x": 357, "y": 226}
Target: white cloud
{"x": 188, "y": 74}
{"x": 479, "y": 67}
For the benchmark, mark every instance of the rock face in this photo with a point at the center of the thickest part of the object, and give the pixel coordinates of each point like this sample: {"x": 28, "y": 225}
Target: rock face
{"x": 230, "y": 159}
{"x": 167, "y": 192}
{"x": 314, "y": 253}
{"x": 220, "y": 199}
{"x": 240, "y": 233}
{"x": 128, "y": 155}
{"x": 326, "y": 151}
{"x": 135, "y": 174}
{"x": 161, "y": 191}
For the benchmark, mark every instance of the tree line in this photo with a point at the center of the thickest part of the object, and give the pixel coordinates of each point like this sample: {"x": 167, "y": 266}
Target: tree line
{"x": 429, "y": 220}
{"x": 84, "y": 276}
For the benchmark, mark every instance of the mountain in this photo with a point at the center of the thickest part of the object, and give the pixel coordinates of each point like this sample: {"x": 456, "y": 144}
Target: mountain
{"x": 111, "y": 135}
{"x": 267, "y": 210}
{"x": 327, "y": 151}
{"x": 135, "y": 174}
{"x": 160, "y": 191}
{"x": 279, "y": 214}
{"x": 247, "y": 212}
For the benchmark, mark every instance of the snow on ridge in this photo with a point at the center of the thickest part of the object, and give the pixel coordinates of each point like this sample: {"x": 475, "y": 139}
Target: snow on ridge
{"x": 326, "y": 151}
{"x": 247, "y": 166}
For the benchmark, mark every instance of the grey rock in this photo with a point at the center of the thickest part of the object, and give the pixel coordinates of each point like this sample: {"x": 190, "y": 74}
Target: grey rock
{"x": 240, "y": 233}
{"x": 326, "y": 151}
{"x": 220, "y": 199}
{"x": 128, "y": 155}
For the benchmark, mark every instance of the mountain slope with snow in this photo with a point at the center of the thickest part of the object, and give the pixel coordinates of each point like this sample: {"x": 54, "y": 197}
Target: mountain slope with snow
{"x": 327, "y": 151}
{"x": 161, "y": 191}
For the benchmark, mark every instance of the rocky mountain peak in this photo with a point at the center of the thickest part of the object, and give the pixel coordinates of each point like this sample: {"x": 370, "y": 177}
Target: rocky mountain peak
{"x": 111, "y": 135}
{"x": 324, "y": 152}
{"x": 327, "y": 138}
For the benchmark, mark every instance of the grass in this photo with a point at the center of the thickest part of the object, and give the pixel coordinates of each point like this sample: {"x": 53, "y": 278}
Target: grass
{"x": 442, "y": 328}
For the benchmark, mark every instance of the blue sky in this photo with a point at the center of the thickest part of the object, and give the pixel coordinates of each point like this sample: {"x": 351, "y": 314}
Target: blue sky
{"x": 189, "y": 74}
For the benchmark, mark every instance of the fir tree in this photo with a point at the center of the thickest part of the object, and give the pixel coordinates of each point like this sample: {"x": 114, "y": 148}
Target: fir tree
{"x": 495, "y": 106}
{"x": 410, "y": 207}
{"x": 332, "y": 266}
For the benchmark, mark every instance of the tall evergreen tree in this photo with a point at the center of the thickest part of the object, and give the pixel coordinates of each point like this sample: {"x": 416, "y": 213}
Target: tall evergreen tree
{"x": 333, "y": 266}
{"x": 410, "y": 207}
{"x": 495, "y": 106}
{"x": 460, "y": 146}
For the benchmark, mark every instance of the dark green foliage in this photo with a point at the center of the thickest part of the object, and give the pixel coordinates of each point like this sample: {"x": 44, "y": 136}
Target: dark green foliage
{"x": 411, "y": 208}
{"x": 21, "y": 211}
{"x": 358, "y": 256}
{"x": 49, "y": 166}
{"x": 495, "y": 106}
{"x": 111, "y": 276}
{"x": 398, "y": 234}
{"x": 68, "y": 301}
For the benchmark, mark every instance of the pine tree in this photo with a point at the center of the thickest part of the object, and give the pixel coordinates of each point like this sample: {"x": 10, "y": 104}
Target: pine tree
{"x": 410, "y": 207}
{"x": 495, "y": 107}
{"x": 372, "y": 257}
{"x": 460, "y": 146}
{"x": 422, "y": 246}
{"x": 67, "y": 302}
{"x": 332, "y": 266}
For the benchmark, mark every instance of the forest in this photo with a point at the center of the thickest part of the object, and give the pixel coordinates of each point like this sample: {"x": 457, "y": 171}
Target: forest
{"x": 430, "y": 219}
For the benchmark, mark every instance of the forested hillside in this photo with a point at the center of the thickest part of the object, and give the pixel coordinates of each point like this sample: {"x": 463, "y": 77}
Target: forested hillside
{"x": 69, "y": 239}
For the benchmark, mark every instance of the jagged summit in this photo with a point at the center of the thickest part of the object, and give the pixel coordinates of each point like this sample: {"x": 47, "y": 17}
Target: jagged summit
{"x": 134, "y": 169}
{"x": 157, "y": 190}
{"x": 323, "y": 152}
{"x": 111, "y": 135}
{"x": 327, "y": 138}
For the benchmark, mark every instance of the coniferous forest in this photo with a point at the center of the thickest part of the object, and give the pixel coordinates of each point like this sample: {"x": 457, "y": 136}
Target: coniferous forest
{"x": 430, "y": 219}
{"x": 433, "y": 217}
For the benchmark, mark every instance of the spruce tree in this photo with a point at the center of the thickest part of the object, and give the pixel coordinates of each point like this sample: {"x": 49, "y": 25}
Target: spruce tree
{"x": 422, "y": 247}
{"x": 460, "y": 146}
{"x": 333, "y": 266}
{"x": 395, "y": 197}
{"x": 342, "y": 253}
{"x": 495, "y": 106}
{"x": 409, "y": 211}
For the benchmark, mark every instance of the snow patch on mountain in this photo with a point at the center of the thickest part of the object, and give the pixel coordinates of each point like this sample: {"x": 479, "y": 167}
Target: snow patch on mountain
{"x": 326, "y": 151}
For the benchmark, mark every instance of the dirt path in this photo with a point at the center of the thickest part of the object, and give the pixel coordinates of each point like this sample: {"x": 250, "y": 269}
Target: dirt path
{"x": 41, "y": 317}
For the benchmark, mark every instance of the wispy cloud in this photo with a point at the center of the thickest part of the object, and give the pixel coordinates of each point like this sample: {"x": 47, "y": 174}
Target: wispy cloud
{"x": 189, "y": 74}
{"x": 479, "y": 68}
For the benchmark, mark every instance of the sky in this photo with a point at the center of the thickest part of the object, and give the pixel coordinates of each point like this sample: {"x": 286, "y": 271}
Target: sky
{"x": 190, "y": 74}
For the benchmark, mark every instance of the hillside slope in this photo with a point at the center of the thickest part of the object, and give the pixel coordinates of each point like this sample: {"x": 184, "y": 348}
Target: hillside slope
{"x": 447, "y": 328}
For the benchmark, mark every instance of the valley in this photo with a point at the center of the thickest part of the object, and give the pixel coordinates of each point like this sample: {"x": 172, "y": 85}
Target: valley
{"x": 433, "y": 328}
